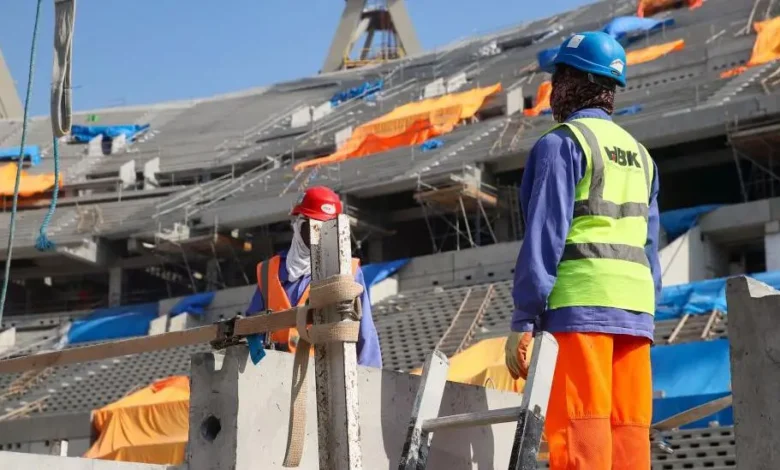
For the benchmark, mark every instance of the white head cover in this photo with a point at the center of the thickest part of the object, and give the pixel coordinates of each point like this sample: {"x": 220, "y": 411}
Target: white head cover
{"x": 299, "y": 256}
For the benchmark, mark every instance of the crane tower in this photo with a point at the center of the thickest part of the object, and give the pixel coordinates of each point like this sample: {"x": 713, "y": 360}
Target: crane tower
{"x": 385, "y": 29}
{"x": 10, "y": 104}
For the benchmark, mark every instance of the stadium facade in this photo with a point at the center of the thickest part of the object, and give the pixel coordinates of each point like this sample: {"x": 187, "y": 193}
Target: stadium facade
{"x": 199, "y": 192}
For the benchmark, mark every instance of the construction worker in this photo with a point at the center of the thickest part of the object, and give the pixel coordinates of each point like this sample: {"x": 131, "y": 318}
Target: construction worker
{"x": 588, "y": 269}
{"x": 283, "y": 280}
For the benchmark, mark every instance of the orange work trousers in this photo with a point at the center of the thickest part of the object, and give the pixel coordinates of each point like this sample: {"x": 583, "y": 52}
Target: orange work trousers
{"x": 601, "y": 403}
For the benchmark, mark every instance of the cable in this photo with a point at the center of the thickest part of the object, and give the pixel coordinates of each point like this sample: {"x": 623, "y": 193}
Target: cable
{"x": 12, "y": 224}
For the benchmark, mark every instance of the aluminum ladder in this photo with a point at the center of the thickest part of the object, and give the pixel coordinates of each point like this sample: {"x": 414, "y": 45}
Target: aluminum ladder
{"x": 529, "y": 415}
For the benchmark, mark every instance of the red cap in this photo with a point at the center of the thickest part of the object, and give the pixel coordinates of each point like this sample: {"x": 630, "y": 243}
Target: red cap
{"x": 318, "y": 203}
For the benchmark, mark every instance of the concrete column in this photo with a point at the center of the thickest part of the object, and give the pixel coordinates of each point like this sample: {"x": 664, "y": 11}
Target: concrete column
{"x": 754, "y": 336}
{"x": 231, "y": 398}
{"x": 115, "y": 286}
{"x": 772, "y": 245}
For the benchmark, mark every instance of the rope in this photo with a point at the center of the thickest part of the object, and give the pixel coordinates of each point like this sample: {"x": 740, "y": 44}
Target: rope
{"x": 61, "y": 109}
{"x": 12, "y": 224}
{"x": 43, "y": 243}
{"x": 342, "y": 292}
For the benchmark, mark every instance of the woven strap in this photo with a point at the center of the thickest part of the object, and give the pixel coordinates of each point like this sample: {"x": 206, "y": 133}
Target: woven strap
{"x": 341, "y": 291}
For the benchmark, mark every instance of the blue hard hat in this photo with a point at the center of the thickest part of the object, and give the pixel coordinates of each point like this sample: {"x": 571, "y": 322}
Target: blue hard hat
{"x": 594, "y": 52}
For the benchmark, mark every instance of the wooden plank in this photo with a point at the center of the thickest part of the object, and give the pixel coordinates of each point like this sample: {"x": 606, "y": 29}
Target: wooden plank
{"x": 335, "y": 363}
{"x": 176, "y": 339}
{"x": 694, "y": 414}
{"x": 479, "y": 418}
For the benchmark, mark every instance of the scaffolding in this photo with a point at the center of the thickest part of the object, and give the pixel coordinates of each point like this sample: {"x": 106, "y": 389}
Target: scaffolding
{"x": 754, "y": 149}
{"x": 464, "y": 204}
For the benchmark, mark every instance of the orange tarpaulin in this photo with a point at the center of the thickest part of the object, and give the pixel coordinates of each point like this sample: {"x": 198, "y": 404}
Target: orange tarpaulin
{"x": 651, "y": 7}
{"x": 483, "y": 364}
{"x": 410, "y": 124}
{"x": 29, "y": 185}
{"x": 766, "y": 48}
{"x": 543, "y": 94}
{"x": 148, "y": 426}
{"x": 653, "y": 52}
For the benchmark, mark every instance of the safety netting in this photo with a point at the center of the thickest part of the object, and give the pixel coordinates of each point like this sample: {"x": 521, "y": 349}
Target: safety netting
{"x": 410, "y": 124}
{"x": 31, "y": 153}
{"x": 84, "y": 134}
{"x": 650, "y": 53}
{"x": 766, "y": 48}
{"x": 543, "y": 94}
{"x": 652, "y": 7}
{"x": 148, "y": 426}
{"x": 29, "y": 184}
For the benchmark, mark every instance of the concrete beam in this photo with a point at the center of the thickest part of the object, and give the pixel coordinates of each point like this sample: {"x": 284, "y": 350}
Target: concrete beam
{"x": 754, "y": 335}
{"x": 230, "y": 396}
{"x": 45, "y": 428}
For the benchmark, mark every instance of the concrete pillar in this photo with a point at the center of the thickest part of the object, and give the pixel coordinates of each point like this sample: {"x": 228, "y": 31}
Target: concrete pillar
{"x": 375, "y": 251}
{"x": 115, "y": 286}
{"x": 754, "y": 335}
{"x": 239, "y": 414}
{"x": 772, "y": 245}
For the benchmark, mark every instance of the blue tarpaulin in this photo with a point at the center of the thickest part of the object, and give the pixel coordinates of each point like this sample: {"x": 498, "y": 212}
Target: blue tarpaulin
{"x": 629, "y": 110}
{"x": 690, "y": 369}
{"x": 667, "y": 407}
{"x": 195, "y": 304}
{"x": 626, "y": 28}
{"x": 113, "y": 323}
{"x": 679, "y": 221}
{"x": 378, "y": 272}
{"x": 31, "y": 152}
{"x": 365, "y": 90}
{"x": 702, "y": 297}
{"x": 84, "y": 134}
{"x": 432, "y": 144}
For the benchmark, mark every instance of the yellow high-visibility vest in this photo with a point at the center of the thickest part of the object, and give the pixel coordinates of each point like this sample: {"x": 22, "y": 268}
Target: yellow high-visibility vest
{"x": 604, "y": 263}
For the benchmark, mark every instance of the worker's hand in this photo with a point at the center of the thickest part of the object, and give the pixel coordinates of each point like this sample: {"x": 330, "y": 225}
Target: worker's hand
{"x": 517, "y": 354}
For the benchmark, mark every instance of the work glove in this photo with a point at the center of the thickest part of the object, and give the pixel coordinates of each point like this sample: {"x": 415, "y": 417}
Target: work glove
{"x": 517, "y": 353}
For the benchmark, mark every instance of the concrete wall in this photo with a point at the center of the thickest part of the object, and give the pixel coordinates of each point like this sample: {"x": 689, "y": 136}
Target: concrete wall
{"x": 754, "y": 335}
{"x": 482, "y": 264}
{"x": 251, "y": 404}
{"x": 13, "y": 460}
{"x": 692, "y": 257}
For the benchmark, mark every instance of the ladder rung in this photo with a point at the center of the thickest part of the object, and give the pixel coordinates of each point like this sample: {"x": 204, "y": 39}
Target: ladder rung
{"x": 479, "y": 418}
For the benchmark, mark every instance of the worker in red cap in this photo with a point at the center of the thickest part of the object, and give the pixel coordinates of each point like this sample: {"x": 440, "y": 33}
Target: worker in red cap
{"x": 283, "y": 281}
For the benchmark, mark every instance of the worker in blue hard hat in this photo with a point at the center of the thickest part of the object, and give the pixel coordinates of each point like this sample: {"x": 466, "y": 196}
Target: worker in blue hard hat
{"x": 588, "y": 269}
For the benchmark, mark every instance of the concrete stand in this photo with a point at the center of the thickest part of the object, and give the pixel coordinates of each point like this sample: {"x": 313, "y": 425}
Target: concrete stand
{"x": 754, "y": 334}
{"x": 239, "y": 413}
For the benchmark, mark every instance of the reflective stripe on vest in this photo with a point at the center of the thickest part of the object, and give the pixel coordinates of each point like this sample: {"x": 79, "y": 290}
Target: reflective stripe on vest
{"x": 275, "y": 297}
{"x": 604, "y": 263}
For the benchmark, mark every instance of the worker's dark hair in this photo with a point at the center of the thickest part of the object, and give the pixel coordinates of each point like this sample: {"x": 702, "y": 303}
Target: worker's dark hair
{"x": 574, "y": 90}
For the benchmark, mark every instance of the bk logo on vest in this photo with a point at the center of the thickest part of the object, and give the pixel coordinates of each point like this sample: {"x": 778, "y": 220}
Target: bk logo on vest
{"x": 623, "y": 157}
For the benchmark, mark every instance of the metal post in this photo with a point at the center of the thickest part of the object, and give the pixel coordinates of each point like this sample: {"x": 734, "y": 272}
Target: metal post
{"x": 335, "y": 363}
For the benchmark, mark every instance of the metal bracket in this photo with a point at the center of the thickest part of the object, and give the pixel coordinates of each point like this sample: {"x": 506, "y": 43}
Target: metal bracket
{"x": 225, "y": 333}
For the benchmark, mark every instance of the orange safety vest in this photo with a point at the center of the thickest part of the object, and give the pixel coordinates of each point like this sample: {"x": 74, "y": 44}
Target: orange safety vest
{"x": 276, "y": 299}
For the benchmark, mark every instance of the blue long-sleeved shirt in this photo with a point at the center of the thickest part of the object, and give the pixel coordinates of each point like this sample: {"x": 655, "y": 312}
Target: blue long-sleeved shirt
{"x": 368, "y": 351}
{"x": 555, "y": 165}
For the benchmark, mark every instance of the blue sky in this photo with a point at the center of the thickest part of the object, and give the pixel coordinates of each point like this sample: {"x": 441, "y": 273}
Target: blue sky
{"x": 147, "y": 51}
